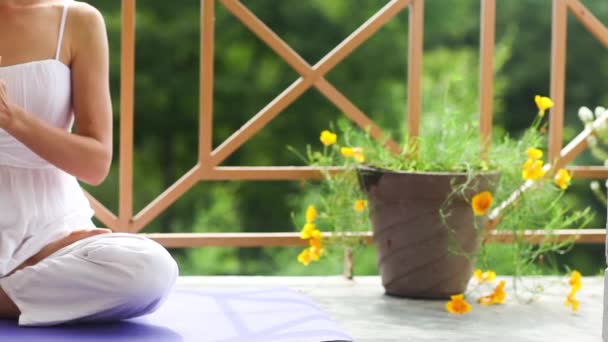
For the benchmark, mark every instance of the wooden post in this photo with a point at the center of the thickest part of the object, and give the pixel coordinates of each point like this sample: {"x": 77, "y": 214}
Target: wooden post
{"x": 207, "y": 42}
{"x": 127, "y": 75}
{"x": 558, "y": 77}
{"x": 414, "y": 73}
{"x": 349, "y": 263}
{"x": 486, "y": 73}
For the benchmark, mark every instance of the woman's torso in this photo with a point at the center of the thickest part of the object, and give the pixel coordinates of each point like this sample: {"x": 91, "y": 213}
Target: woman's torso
{"x": 39, "y": 203}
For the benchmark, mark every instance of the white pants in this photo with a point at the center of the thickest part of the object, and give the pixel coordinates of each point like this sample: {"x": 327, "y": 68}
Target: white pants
{"x": 100, "y": 278}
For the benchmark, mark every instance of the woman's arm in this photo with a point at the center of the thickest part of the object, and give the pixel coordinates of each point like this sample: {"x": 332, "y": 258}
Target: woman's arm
{"x": 87, "y": 153}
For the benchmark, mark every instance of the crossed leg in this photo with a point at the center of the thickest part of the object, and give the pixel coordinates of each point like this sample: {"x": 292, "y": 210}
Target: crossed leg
{"x": 8, "y": 309}
{"x": 101, "y": 278}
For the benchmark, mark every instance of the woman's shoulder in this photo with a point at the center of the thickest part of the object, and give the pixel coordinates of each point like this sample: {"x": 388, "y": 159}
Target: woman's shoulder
{"x": 84, "y": 13}
{"x": 85, "y": 23}
{"x": 85, "y": 29}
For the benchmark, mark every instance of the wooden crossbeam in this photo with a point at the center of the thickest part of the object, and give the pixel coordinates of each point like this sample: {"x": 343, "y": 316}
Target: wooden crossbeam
{"x": 265, "y": 173}
{"x": 289, "y": 239}
{"x": 589, "y": 172}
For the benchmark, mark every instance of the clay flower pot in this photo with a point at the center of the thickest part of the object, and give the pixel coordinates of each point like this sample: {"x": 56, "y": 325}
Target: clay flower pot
{"x": 413, "y": 254}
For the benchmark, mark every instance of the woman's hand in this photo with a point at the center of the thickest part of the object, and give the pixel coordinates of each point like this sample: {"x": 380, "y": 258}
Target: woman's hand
{"x": 8, "y": 110}
{"x": 51, "y": 248}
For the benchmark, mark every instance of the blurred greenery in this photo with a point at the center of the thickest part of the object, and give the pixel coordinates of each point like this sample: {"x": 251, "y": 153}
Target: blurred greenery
{"x": 248, "y": 75}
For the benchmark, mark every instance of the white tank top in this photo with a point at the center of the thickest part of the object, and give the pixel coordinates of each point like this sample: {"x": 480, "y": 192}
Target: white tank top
{"x": 39, "y": 203}
{"x": 42, "y": 88}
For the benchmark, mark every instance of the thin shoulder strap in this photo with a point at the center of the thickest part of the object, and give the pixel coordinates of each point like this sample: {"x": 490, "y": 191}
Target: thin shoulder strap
{"x": 64, "y": 16}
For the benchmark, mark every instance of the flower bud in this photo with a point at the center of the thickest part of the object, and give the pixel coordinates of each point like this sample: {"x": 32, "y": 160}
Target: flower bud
{"x": 600, "y": 111}
{"x": 595, "y": 185}
{"x": 585, "y": 114}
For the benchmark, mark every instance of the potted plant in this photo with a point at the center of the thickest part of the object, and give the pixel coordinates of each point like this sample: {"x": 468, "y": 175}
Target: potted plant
{"x": 432, "y": 204}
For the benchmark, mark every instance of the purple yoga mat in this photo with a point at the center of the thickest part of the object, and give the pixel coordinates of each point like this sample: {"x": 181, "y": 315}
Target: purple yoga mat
{"x": 226, "y": 315}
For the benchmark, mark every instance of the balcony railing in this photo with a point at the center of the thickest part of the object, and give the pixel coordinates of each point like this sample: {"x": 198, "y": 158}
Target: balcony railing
{"x": 208, "y": 167}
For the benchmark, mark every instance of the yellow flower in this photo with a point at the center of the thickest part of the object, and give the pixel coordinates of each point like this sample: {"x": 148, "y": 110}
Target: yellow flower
{"x": 358, "y": 154}
{"x": 562, "y": 178}
{"x": 316, "y": 248}
{"x": 354, "y": 152}
{"x": 328, "y": 138}
{"x": 496, "y": 297}
{"x": 457, "y": 305}
{"x": 311, "y": 213}
{"x": 571, "y": 301}
{"x": 534, "y": 153}
{"x": 484, "y": 277}
{"x": 308, "y": 231}
{"x": 315, "y": 252}
{"x": 533, "y": 169}
{"x": 316, "y": 243}
{"x": 575, "y": 281}
{"x": 543, "y": 103}
{"x": 304, "y": 257}
{"x": 347, "y": 151}
{"x": 360, "y": 205}
{"x": 482, "y": 202}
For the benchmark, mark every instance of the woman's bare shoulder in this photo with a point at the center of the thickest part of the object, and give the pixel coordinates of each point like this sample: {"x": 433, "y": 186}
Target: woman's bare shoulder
{"x": 85, "y": 27}
{"x": 84, "y": 13}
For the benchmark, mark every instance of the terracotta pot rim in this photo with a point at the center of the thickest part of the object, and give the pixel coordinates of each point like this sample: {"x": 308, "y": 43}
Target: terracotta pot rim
{"x": 429, "y": 173}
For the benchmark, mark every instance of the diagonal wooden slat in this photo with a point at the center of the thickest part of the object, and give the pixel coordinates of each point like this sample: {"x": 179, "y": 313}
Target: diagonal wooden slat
{"x": 164, "y": 200}
{"x": 260, "y": 120}
{"x": 102, "y": 213}
{"x": 591, "y": 23}
{"x": 574, "y": 148}
{"x": 566, "y": 155}
{"x": 360, "y": 35}
{"x": 334, "y": 57}
{"x": 262, "y": 31}
{"x": 355, "y": 114}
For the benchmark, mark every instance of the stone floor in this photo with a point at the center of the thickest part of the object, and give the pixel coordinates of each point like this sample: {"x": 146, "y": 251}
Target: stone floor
{"x": 361, "y": 308}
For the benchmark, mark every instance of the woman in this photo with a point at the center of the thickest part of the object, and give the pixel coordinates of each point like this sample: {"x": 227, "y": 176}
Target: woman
{"x": 55, "y": 266}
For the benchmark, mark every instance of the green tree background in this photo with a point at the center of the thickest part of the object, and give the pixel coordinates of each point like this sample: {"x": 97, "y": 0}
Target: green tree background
{"x": 248, "y": 75}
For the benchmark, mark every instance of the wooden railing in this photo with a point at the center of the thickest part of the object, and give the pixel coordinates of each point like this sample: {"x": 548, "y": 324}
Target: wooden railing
{"x": 208, "y": 167}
